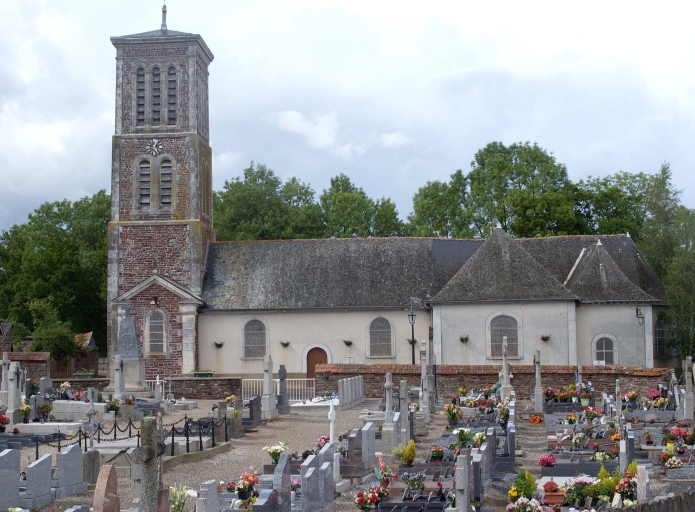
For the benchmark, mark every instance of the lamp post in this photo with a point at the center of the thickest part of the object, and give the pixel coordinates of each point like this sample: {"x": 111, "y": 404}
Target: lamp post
{"x": 411, "y": 319}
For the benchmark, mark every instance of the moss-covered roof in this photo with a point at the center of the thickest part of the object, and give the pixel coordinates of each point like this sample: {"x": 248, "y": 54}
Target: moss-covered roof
{"x": 330, "y": 273}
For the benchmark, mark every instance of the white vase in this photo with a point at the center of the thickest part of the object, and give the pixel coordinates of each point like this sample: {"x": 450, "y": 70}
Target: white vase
{"x": 293, "y": 496}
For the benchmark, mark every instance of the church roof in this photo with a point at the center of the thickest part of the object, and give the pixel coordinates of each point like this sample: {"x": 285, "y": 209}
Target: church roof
{"x": 501, "y": 270}
{"x": 157, "y": 33}
{"x": 596, "y": 278}
{"x": 330, "y": 273}
{"x": 558, "y": 254}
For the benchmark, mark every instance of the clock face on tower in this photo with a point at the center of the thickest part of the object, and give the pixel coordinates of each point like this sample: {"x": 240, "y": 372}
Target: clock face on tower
{"x": 154, "y": 147}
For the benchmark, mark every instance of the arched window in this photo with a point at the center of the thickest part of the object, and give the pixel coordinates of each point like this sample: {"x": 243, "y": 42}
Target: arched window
{"x": 171, "y": 96}
{"x": 254, "y": 339}
{"x": 156, "y": 97}
{"x": 605, "y": 351}
{"x": 380, "y": 338}
{"x": 502, "y": 326}
{"x": 156, "y": 334}
{"x": 165, "y": 182}
{"x": 144, "y": 179}
{"x": 140, "y": 97}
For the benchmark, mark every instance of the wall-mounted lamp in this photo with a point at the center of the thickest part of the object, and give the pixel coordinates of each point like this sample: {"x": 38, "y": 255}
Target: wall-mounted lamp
{"x": 640, "y": 315}
{"x": 154, "y": 303}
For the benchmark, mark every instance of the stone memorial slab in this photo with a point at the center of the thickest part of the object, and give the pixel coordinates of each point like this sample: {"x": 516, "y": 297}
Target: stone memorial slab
{"x": 326, "y": 487}
{"x": 106, "y": 492}
{"x": 128, "y": 345}
{"x": 9, "y": 479}
{"x": 70, "y": 479}
{"x": 368, "y": 445}
{"x": 38, "y": 492}
{"x": 208, "y": 498}
{"x": 281, "y": 481}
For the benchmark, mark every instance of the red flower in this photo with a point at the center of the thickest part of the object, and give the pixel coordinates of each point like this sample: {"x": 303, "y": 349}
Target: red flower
{"x": 360, "y": 494}
{"x": 372, "y": 499}
{"x": 439, "y": 484}
{"x": 361, "y": 500}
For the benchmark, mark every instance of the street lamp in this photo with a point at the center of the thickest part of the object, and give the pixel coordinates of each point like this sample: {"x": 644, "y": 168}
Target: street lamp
{"x": 411, "y": 319}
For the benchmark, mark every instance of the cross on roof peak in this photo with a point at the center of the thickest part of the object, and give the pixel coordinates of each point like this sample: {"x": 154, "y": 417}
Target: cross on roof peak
{"x": 164, "y": 16}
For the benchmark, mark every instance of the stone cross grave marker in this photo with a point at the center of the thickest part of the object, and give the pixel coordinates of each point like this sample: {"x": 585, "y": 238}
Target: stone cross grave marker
{"x": 388, "y": 398}
{"x": 506, "y": 389}
{"x": 538, "y": 390}
{"x": 461, "y": 479}
{"x": 424, "y": 383}
{"x": 119, "y": 384}
{"x": 268, "y": 401}
{"x": 147, "y": 455}
{"x": 331, "y": 423}
{"x": 5, "y": 372}
{"x": 283, "y": 398}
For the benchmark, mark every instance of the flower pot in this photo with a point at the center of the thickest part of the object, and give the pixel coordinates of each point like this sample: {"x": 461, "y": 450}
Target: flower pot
{"x": 2, "y": 428}
{"x": 202, "y": 374}
{"x": 670, "y": 444}
{"x": 82, "y": 375}
{"x": 437, "y": 458}
{"x": 384, "y": 482}
{"x": 555, "y": 498}
{"x": 293, "y": 497}
{"x": 585, "y": 402}
{"x": 243, "y": 495}
{"x": 25, "y": 419}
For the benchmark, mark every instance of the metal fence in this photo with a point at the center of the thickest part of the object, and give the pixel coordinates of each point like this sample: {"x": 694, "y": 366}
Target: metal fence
{"x": 298, "y": 390}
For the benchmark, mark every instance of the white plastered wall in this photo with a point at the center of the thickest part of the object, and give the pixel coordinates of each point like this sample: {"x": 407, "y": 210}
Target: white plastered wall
{"x": 303, "y": 329}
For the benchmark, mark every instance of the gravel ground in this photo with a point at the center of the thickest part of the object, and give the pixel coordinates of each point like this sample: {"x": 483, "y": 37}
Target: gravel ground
{"x": 300, "y": 431}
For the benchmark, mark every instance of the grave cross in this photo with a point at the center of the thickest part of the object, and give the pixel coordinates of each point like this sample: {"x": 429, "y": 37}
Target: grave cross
{"x": 5, "y": 371}
{"x": 17, "y": 375}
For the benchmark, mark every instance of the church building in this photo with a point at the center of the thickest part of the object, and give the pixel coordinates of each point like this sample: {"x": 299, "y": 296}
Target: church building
{"x": 180, "y": 301}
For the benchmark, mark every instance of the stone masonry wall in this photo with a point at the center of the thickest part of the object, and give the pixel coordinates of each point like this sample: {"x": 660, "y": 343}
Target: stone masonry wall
{"x": 450, "y": 377}
{"x": 189, "y": 388}
{"x": 38, "y": 364}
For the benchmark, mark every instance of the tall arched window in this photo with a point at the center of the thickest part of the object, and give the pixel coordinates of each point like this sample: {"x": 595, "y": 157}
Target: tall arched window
{"x": 502, "y": 326}
{"x": 156, "y": 334}
{"x": 144, "y": 181}
{"x": 140, "y": 97}
{"x": 165, "y": 183}
{"x": 156, "y": 97}
{"x": 171, "y": 96}
{"x": 605, "y": 351}
{"x": 254, "y": 339}
{"x": 380, "y": 338}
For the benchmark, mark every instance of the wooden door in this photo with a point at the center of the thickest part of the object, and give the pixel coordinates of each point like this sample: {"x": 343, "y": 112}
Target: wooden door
{"x": 315, "y": 356}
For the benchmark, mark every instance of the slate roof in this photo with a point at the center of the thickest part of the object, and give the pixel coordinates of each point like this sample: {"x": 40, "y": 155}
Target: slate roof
{"x": 502, "y": 270}
{"x": 558, "y": 254}
{"x": 330, "y": 273}
{"x": 157, "y": 33}
{"x": 5, "y": 328}
{"x": 596, "y": 278}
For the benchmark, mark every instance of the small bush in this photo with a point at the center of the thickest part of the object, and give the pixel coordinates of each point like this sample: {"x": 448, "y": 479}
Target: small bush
{"x": 398, "y": 451}
{"x": 409, "y": 453}
{"x": 525, "y": 484}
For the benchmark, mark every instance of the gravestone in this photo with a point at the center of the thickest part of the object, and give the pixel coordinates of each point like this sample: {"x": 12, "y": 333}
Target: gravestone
{"x": 106, "y": 492}
{"x": 326, "y": 487}
{"x": 506, "y": 389}
{"x": 14, "y": 394}
{"x": 255, "y": 414}
{"x": 38, "y": 492}
{"x": 403, "y": 397}
{"x": 236, "y": 428}
{"x": 119, "y": 384}
{"x": 269, "y": 401}
{"x": 331, "y": 423}
{"x": 9, "y": 479}
{"x": 325, "y": 454}
{"x": 283, "y": 398}
{"x": 70, "y": 478}
{"x": 5, "y": 372}
{"x": 147, "y": 456}
{"x": 387, "y": 429}
{"x": 281, "y": 481}
{"x": 642, "y": 478}
{"x": 461, "y": 479}
{"x": 91, "y": 466}
{"x": 28, "y": 388}
{"x": 208, "y": 497}
{"x": 310, "y": 490}
{"x": 368, "y": 445}
{"x": 133, "y": 372}
{"x": 689, "y": 398}
{"x": 477, "y": 476}
{"x": 341, "y": 392}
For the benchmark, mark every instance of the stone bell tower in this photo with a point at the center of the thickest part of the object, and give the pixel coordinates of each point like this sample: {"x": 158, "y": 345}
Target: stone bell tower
{"x": 161, "y": 198}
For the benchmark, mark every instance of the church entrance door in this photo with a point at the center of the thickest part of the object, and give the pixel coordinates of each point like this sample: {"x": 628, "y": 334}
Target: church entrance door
{"x": 315, "y": 356}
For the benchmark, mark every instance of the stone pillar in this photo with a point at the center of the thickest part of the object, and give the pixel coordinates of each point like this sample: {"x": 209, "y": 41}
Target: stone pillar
{"x": 538, "y": 390}
{"x": 189, "y": 313}
{"x": 268, "y": 401}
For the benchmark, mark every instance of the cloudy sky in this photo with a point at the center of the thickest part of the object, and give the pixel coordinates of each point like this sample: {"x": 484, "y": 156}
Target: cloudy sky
{"x": 392, "y": 94}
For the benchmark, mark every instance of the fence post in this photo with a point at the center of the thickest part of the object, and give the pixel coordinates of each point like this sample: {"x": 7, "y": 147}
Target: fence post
{"x": 213, "y": 432}
{"x": 173, "y": 429}
{"x": 130, "y": 425}
{"x": 138, "y": 436}
{"x": 115, "y": 428}
{"x": 58, "y": 440}
{"x": 37, "y": 447}
{"x": 85, "y": 442}
{"x": 99, "y": 433}
{"x": 200, "y": 435}
{"x": 185, "y": 430}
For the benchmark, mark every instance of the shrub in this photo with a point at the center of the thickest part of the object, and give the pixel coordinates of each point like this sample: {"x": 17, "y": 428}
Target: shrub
{"x": 525, "y": 484}
{"x": 398, "y": 451}
{"x": 409, "y": 453}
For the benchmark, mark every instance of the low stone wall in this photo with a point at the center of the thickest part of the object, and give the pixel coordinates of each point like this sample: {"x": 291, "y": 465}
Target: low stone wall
{"x": 38, "y": 364}
{"x": 450, "y": 377}
{"x": 213, "y": 388}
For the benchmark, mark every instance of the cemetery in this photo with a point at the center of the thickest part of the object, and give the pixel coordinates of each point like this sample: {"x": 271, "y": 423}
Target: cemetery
{"x": 411, "y": 448}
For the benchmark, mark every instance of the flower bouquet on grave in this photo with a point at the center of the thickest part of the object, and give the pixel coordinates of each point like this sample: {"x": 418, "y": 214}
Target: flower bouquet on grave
{"x": 488, "y": 391}
{"x": 464, "y": 437}
{"x": 503, "y": 412}
{"x": 4, "y": 420}
{"x": 631, "y": 396}
{"x": 414, "y": 481}
{"x": 230, "y": 399}
{"x": 25, "y": 409}
{"x": 245, "y": 485}
{"x": 453, "y": 413}
{"x": 321, "y": 441}
{"x": 478, "y": 440}
{"x": 549, "y": 394}
{"x": 570, "y": 418}
{"x": 275, "y": 451}
{"x": 178, "y": 496}
{"x": 546, "y": 460}
{"x": 45, "y": 408}
{"x": 295, "y": 484}
{"x": 371, "y": 497}
{"x": 113, "y": 406}
{"x": 673, "y": 463}
{"x": 437, "y": 452}
{"x": 415, "y": 406}
{"x": 591, "y": 413}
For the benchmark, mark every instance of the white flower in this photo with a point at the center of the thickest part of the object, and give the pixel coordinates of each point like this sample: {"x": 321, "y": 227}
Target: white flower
{"x": 192, "y": 493}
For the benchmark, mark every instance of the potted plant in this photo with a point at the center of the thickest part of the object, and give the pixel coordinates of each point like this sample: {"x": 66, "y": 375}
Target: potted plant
{"x": 342, "y": 450}
{"x": 83, "y": 373}
{"x": 464, "y": 338}
{"x": 202, "y": 373}
{"x": 295, "y": 486}
{"x": 26, "y": 411}
{"x": 45, "y": 409}
{"x": 113, "y": 406}
{"x": 437, "y": 453}
{"x": 549, "y": 394}
{"x": 285, "y": 344}
{"x": 670, "y": 439}
{"x": 4, "y": 420}
{"x": 453, "y": 413}
{"x": 591, "y": 413}
{"x": 554, "y": 495}
{"x": 178, "y": 496}
{"x": 584, "y": 398}
{"x": 347, "y": 342}
{"x": 648, "y": 439}
{"x": 545, "y": 337}
{"x": 275, "y": 451}
{"x": 414, "y": 481}
{"x": 219, "y": 344}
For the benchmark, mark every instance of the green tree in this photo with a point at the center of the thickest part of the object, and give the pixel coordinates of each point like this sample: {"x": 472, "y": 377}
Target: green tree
{"x": 523, "y": 188}
{"x": 260, "y": 207}
{"x": 441, "y": 209}
{"x": 60, "y": 252}
{"x": 347, "y": 211}
{"x": 680, "y": 284}
{"x": 50, "y": 333}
